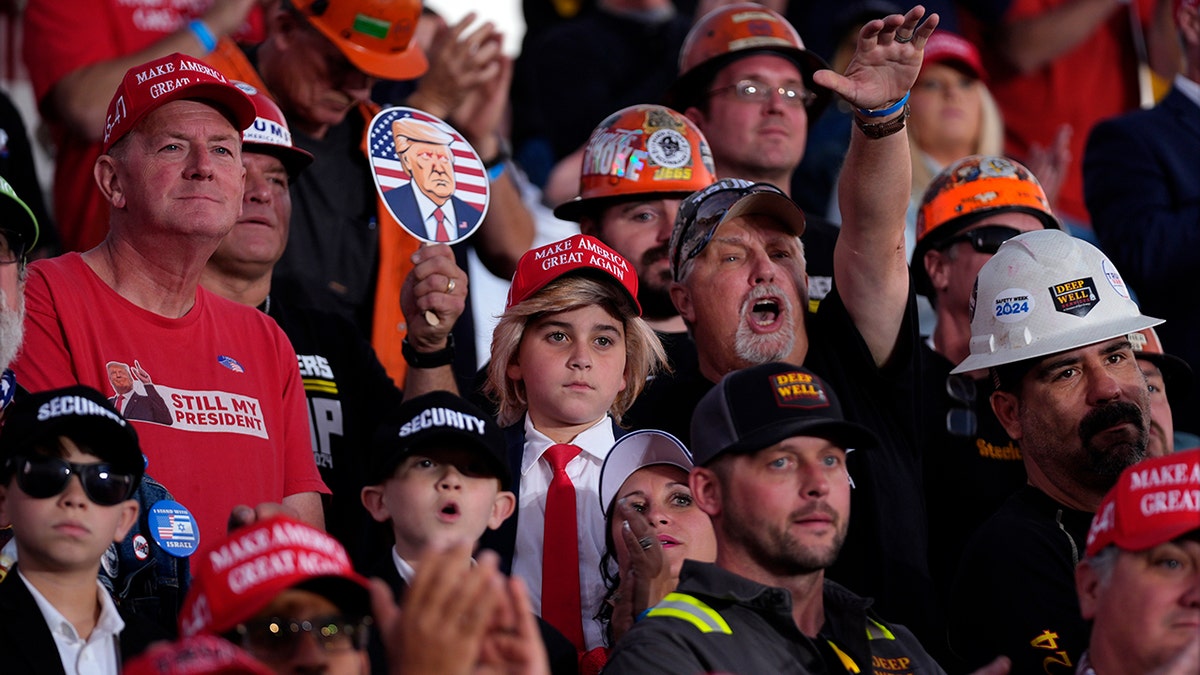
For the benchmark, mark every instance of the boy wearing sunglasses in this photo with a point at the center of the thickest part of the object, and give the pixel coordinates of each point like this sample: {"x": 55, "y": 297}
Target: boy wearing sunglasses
{"x": 69, "y": 465}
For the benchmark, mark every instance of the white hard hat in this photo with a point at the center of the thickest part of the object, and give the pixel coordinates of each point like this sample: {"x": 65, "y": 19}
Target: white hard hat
{"x": 1045, "y": 292}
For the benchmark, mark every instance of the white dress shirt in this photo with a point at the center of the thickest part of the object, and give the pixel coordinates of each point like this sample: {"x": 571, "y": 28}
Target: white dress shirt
{"x": 584, "y": 471}
{"x": 98, "y": 654}
{"x": 427, "y": 207}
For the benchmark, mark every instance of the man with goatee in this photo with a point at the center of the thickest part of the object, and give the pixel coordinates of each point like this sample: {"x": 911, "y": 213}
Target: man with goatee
{"x": 1051, "y": 318}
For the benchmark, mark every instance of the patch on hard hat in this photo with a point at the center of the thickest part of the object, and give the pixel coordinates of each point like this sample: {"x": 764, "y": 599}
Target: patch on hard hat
{"x": 1077, "y": 296}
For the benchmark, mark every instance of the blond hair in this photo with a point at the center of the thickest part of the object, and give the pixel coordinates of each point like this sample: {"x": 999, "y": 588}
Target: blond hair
{"x": 989, "y": 142}
{"x": 644, "y": 353}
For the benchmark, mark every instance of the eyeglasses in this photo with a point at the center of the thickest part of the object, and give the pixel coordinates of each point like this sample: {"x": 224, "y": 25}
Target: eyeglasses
{"x": 754, "y": 91}
{"x": 44, "y": 477}
{"x": 986, "y": 239}
{"x": 961, "y": 419}
{"x": 278, "y": 639}
{"x": 702, "y": 225}
{"x": 12, "y": 247}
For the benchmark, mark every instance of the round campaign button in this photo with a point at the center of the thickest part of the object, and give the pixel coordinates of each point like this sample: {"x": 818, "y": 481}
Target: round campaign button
{"x": 141, "y": 547}
{"x": 174, "y": 528}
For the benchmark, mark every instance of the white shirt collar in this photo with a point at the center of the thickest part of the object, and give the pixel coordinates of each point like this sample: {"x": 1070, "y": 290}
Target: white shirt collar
{"x": 596, "y": 441}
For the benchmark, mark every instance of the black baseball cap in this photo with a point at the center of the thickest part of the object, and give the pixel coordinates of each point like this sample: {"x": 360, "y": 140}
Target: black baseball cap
{"x": 438, "y": 419}
{"x": 757, "y": 407}
{"x": 79, "y": 413}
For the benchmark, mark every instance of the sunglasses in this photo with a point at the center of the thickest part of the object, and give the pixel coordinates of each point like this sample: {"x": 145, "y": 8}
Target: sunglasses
{"x": 45, "y": 477}
{"x": 709, "y": 212}
{"x": 277, "y": 639}
{"x": 961, "y": 419}
{"x": 986, "y": 239}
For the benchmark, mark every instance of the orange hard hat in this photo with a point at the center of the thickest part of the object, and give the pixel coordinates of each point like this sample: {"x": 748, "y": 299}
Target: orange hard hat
{"x": 375, "y": 35}
{"x": 968, "y": 191}
{"x": 729, "y": 33}
{"x": 641, "y": 150}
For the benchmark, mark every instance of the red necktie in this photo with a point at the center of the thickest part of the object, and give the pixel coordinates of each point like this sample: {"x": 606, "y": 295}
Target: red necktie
{"x": 560, "y": 549}
{"x": 120, "y": 397}
{"x": 441, "y": 221}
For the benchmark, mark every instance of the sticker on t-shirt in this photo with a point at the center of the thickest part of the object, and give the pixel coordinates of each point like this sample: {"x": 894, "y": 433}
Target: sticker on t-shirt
{"x": 174, "y": 528}
{"x": 431, "y": 180}
{"x": 230, "y": 363}
{"x": 1076, "y": 297}
{"x": 1013, "y": 305}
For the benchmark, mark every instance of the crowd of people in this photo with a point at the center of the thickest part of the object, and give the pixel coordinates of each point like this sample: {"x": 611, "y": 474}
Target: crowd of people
{"x": 263, "y": 217}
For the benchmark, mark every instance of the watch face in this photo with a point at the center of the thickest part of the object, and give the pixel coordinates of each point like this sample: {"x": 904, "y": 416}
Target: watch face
{"x": 431, "y": 180}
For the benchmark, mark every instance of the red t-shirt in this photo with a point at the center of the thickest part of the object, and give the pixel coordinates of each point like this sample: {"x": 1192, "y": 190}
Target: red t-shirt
{"x": 230, "y": 423}
{"x": 1095, "y": 80}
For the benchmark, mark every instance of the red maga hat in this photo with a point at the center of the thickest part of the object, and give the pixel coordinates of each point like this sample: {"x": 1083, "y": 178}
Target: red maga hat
{"x": 150, "y": 86}
{"x": 1153, "y": 502}
{"x": 243, "y": 574}
{"x": 577, "y": 254}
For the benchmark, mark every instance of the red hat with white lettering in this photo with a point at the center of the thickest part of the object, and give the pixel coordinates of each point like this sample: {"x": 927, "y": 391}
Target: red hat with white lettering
{"x": 1153, "y": 502}
{"x": 196, "y": 655}
{"x": 579, "y": 254}
{"x": 240, "y": 576}
{"x": 147, "y": 87}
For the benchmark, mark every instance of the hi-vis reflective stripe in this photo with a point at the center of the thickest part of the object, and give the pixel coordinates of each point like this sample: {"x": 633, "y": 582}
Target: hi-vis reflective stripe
{"x": 690, "y": 609}
{"x": 882, "y": 634}
{"x": 847, "y": 662}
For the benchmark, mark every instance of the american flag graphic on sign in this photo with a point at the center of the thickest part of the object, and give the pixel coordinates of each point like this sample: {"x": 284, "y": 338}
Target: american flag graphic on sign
{"x": 175, "y": 525}
{"x": 389, "y": 175}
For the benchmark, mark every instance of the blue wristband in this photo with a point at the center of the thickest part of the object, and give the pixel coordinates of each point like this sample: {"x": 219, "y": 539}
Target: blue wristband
{"x": 884, "y": 112}
{"x": 495, "y": 171}
{"x": 203, "y": 34}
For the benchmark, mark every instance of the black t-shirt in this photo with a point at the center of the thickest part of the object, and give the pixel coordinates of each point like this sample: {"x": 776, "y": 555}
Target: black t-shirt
{"x": 333, "y": 246}
{"x": 885, "y": 553}
{"x": 1015, "y": 589}
{"x": 967, "y": 477}
{"x": 348, "y": 394}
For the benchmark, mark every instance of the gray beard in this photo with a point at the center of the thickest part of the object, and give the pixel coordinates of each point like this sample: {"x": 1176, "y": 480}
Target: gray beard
{"x": 755, "y": 348}
{"x": 12, "y": 330}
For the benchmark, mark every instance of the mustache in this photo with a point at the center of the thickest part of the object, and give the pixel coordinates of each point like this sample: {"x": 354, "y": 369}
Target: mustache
{"x": 762, "y": 291}
{"x": 1110, "y": 415}
{"x": 815, "y": 508}
{"x": 654, "y": 255}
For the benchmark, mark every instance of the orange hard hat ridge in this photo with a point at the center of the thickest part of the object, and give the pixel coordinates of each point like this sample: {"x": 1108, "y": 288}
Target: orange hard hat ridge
{"x": 375, "y": 35}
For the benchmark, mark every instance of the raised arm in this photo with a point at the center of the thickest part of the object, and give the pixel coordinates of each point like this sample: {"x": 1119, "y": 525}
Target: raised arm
{"x": 869, "y": 262}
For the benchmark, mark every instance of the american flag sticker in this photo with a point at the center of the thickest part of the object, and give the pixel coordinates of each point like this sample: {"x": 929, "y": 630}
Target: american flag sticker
{"x": 450, "y": 176}
{"x": 173, "y": 528}
{"x": 230, "y": 363}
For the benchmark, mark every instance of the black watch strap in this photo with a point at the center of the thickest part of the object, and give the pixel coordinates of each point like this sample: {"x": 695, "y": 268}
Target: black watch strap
{"x": 416, "y": 359}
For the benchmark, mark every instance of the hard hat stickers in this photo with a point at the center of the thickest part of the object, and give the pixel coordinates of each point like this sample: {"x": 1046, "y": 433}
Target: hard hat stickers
{"x": 1077, "y": 296}
{"x": 1012, "y": 305}
{"x": 430, "y": 178}
{"x": 1114, "y": 278}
